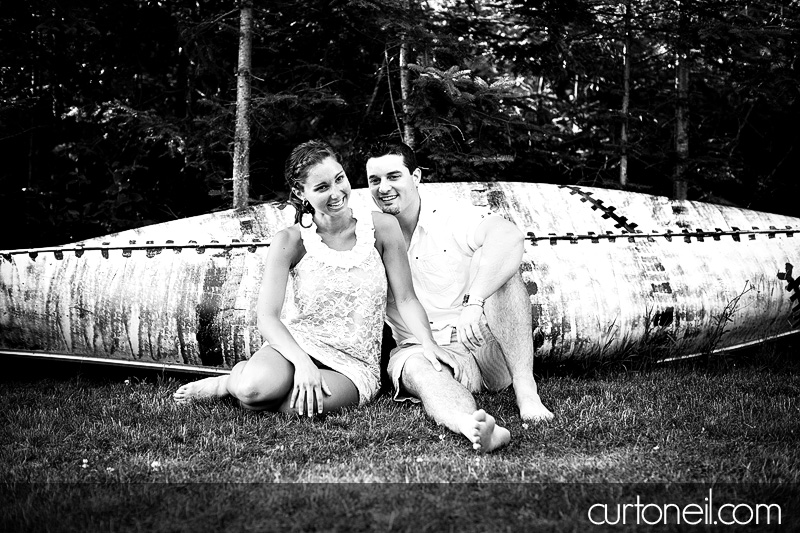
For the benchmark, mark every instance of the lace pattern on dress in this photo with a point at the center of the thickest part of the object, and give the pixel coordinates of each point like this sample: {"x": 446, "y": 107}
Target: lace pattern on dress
{"x": 337, "y": 305}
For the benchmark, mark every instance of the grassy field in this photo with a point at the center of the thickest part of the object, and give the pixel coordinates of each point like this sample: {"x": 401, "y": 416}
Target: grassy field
{"x": 87, "y": 448}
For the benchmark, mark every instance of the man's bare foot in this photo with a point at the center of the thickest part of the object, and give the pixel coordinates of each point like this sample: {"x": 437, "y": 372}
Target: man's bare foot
{"x": 530, "y": 405}
{"x": 486, "y": 435}
{"x": 533, "y": 409}
{"x": 204, "y": 389}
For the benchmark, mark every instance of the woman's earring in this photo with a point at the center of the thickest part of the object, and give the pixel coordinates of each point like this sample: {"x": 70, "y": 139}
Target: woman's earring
{"x": 305, "y": 209}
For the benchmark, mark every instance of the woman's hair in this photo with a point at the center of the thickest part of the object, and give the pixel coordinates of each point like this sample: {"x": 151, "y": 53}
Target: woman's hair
{"x": 302, "y": 158}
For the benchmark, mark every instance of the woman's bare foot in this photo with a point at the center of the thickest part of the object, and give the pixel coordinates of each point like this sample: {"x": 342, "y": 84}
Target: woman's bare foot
{"x": 485, "y": 434}
{"x": 204, "y": 389}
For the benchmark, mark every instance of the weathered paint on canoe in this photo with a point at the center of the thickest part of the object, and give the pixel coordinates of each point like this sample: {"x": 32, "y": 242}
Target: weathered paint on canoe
{"x": 608, "y": 272}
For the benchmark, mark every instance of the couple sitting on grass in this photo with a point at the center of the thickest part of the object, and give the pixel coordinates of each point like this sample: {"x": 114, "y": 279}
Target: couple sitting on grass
{"x": 455, "y": 265}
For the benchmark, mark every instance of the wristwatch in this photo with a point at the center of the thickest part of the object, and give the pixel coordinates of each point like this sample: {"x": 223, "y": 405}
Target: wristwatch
{"x": 472, "y": 300}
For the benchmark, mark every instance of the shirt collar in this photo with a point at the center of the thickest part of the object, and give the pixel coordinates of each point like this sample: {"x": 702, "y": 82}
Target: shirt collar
{"x": 426, "y": 211}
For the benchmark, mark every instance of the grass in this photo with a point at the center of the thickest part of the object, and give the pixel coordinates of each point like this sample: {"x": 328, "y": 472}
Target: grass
{"x": 85, "y": 447}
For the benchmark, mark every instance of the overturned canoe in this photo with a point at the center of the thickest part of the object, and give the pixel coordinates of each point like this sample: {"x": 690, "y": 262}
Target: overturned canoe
{"x": 609, "y": 273}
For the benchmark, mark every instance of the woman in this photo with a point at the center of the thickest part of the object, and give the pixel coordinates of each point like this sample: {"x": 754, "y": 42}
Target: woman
{"x": 325, "y": 352}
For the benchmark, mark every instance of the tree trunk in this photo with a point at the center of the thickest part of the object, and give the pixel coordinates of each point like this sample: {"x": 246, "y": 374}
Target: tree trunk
{"x": 679, "y": 183}
{"x": 626, "y": 98}
{"x": 405, "y": 92}
{"x": 241, "y": 140}
{"x": 405, "y": 85}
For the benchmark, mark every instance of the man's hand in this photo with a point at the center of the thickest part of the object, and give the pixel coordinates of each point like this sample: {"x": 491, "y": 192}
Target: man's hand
{"x": 435, "y": 353}
{"x": 469, "y": 330}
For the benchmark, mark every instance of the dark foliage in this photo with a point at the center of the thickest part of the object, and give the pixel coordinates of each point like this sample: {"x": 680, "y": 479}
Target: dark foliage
{"x": 116, "y": 115}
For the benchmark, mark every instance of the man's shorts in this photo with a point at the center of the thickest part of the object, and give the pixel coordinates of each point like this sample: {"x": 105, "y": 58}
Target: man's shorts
{"x": 483, "y": 369}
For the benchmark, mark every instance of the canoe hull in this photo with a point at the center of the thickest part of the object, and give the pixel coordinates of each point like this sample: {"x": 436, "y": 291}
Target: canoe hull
{"x": 609, "y": 274}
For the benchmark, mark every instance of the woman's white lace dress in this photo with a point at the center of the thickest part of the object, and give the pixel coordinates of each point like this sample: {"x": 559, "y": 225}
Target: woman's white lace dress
{"x": 336, "y": 304}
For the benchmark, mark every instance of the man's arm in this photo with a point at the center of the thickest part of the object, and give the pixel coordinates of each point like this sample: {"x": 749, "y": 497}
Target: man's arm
{"x": 500, "y": 243}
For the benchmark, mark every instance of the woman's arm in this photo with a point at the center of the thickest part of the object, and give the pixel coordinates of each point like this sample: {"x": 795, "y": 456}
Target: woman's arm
{"x": 285, "y": 251}
{"x": 390, "y": 243}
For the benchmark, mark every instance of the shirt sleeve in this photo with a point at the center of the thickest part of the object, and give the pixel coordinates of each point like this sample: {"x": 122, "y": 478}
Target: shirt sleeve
{"x": 464, "y": 221}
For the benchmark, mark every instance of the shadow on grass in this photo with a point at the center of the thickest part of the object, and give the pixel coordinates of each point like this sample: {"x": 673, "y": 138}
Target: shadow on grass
{"x": 778, "y": 355}
{"x": 86, "y": 447}
{"x": 393, "y": 507}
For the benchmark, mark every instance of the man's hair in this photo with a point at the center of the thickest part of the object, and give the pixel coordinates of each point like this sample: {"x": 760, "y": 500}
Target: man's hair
{"x": 395, "y": 148}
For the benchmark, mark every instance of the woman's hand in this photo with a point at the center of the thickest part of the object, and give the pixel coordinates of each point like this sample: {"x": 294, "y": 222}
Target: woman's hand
{"x": 309, "y": 387}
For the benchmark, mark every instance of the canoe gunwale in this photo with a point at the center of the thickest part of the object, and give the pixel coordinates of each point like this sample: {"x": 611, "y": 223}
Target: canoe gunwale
{"x": 685, "y": 234}
{"x": 79, "y": 248}
{"x": 146, "y": 365}
{"x": 552, "y": 238}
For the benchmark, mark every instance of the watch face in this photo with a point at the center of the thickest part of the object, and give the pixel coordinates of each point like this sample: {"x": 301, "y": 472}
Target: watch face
{"x": 467, "y": 300}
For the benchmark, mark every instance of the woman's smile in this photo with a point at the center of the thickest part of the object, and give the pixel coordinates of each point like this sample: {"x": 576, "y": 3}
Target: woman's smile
{"x": 336, "y": 205}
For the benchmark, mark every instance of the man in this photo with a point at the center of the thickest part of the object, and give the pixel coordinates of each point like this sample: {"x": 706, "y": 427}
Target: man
{"x": 465, "y": 269}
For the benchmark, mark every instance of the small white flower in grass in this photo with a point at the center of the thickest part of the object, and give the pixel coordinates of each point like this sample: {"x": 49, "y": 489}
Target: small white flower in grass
{"x": 655, "y": 448}
{"x": 525, "y": 426}
{"x": 155, "y": 465}
{"x": 441, "y": 437}
{"x": 127, "y": 382}
{"x": 419, "y": 459}
{"x": 85, "y": 463}
{"x": 109, "y": 469}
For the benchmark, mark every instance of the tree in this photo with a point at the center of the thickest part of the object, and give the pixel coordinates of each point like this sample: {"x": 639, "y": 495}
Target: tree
{"x": 116, "y": 115}
{"x": 104, "y": 98}
{"x": 679, "y": 190}
{"x": 626, "y": 97}
{"x": 241, "y": 150}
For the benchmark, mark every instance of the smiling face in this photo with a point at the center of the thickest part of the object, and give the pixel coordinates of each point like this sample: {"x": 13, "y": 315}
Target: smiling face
{"x": 392, "y": 185}
{"x": 326, "y": 188}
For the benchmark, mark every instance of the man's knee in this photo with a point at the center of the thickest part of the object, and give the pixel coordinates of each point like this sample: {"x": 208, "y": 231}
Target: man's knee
{"x": 511, "y": 302}
{"x": 514, "y": 286}
{"x": 416, "y": 365}
{"x": 418, "y": 370}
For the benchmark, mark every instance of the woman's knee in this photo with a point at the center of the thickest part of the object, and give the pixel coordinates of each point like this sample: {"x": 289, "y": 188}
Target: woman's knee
{"x": 249, "y": 389}
{"x": 265, "y": 377}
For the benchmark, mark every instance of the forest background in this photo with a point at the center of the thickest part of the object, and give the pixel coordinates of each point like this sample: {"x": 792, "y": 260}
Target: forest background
{"x": 119, "y": 114}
